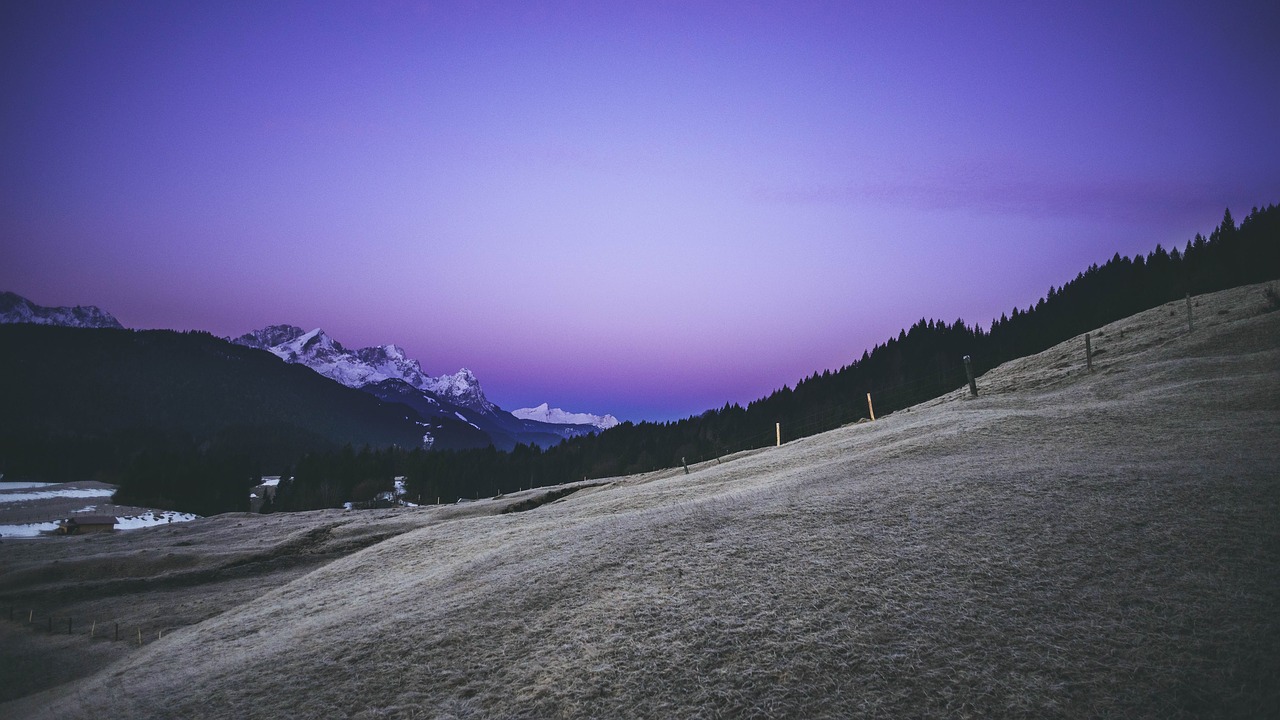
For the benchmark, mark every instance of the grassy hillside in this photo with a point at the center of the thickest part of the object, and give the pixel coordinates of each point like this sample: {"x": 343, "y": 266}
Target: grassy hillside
{"x": 1066, "y": 544}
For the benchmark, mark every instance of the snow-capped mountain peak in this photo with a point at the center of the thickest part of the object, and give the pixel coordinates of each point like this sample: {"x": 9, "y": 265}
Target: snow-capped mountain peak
{"x": 315, "y": 344}
{"x": 16, "y": 309}
{"x": 555, "y": 416}
{"x": 461, "y": 387}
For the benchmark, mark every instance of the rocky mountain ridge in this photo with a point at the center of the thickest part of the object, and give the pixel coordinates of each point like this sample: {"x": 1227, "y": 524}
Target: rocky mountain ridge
{"x": 16, "y": 309}
{"x": 364, "y": 366}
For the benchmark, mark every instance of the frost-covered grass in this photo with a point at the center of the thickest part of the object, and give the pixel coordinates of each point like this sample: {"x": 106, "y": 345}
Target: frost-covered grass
{"x": 1065, "y": 545}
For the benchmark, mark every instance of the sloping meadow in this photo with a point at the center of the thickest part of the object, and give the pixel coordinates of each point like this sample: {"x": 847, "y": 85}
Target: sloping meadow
{"x": 1066, "y": 544}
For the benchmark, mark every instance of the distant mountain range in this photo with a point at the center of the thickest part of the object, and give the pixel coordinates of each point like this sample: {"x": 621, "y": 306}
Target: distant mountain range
{"x": 556, "y": 416}
{"x": 386, "y": 372}
{"x": 450, "y": 411}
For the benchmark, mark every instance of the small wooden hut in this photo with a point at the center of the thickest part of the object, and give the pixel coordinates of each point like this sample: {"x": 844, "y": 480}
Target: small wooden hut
{"x": 87, "y": 523}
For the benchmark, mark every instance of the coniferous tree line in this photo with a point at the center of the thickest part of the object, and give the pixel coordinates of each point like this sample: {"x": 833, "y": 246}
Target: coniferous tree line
{"x": 922, "y": 362}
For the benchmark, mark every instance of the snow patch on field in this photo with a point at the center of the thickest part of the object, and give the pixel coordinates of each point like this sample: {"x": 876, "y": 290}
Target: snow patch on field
{"x": 149, "y": 519}
{"x": 131, "y": 522}
{"x": 13, "y": 497}
{"x": 27, "y": 530}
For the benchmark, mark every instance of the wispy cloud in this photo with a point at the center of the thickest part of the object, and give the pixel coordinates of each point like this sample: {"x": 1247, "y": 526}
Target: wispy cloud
{"x": 989, "y": 188}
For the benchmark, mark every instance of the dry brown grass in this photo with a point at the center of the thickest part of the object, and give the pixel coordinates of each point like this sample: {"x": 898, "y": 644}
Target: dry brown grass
{"x": 1065, "y": 545}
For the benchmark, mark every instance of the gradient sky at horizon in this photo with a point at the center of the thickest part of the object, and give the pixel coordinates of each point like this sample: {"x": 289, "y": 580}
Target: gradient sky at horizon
{"x": 646, "y": 209}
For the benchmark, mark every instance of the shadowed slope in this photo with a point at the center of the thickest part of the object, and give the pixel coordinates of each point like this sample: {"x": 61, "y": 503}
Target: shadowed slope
{"x": 1066, "y": 544}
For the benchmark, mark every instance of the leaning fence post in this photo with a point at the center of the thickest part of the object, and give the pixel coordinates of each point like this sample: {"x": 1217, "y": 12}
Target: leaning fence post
{"x": 686, "y": 464}
{"x": 778, "y": 428}
{"x": 871, "y": 408}
{"x": 1088, "y": 353}
{"x": 968, "y": 372}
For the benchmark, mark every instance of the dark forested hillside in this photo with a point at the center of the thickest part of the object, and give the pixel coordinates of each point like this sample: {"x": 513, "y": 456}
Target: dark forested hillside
{"x": 922, "y": 362}
{"x": 171, "y": 413}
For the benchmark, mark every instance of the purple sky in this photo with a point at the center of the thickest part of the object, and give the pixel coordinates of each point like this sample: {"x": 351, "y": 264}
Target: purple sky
{"x": 641, "y": 208}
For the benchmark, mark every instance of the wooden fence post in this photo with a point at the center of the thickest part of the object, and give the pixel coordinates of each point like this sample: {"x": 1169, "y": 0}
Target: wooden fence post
{"x": 871, "y": 408}
{"x": 1088, "y": 353}
{"x": 778, "y": 428}
{"x": 968, "y": 372}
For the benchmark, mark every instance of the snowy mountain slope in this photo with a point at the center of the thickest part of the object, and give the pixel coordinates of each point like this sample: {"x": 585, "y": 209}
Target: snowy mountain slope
{"x": 365, "y": 366}
{"x": 556, "y": 416}
{"x": 16, "y": 309}
{"x": 441, "y": 416}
